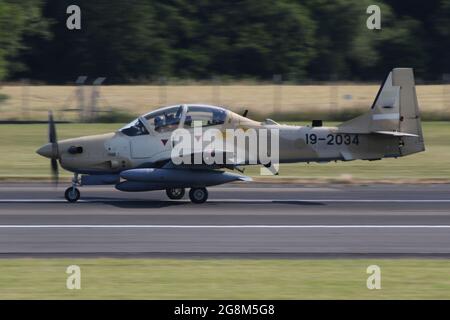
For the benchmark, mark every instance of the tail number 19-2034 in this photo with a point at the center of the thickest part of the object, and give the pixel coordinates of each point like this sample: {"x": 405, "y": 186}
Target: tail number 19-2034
{"x": 333, "y": 139}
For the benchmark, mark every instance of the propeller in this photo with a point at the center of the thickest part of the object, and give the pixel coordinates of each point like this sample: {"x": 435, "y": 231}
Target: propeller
{"x": 55, "y": 151}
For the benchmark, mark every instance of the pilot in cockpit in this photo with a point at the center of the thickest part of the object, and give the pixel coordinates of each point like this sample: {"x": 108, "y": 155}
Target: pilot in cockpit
{"x": 159, "y": 122}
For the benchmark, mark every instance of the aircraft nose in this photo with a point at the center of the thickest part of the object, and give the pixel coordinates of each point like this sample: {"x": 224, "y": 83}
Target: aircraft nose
{"x": 46, "y": 150}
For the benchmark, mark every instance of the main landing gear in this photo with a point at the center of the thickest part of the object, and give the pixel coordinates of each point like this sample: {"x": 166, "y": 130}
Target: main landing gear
{"x": 175, "y": 193}
{"x": 197, "y": 195}
{"x": 72, "y": 194}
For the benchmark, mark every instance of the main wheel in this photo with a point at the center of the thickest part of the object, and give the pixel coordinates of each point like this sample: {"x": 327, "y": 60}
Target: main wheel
{"x": 72, "y": 194}
{"x": 198, "y": 195}
{"x": 175, "y": 193}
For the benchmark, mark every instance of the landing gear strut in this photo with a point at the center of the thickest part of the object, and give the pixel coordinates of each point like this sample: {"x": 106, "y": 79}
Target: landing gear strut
{"x": 175, "y": 193}
{"x": 198, "y": 195}
{"x": 72, "y": 194}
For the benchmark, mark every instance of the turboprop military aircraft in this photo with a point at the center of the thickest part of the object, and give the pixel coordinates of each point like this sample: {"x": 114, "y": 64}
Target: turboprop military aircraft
{"x": 140, "y": 156}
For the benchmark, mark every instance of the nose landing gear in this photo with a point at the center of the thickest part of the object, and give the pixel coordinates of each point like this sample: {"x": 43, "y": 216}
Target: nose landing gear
{"x": 72, "y": 194}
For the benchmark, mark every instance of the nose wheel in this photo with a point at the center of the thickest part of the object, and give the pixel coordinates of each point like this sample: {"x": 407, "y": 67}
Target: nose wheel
{"x": 198, "y": 195}
{"x": 72, "y": 194}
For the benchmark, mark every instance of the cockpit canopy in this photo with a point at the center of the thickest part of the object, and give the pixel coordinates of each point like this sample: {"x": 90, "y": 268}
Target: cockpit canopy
{"x": 173, "y": 117}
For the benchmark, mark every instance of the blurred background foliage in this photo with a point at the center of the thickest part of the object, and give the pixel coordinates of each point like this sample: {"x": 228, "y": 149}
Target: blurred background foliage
{"x": 143, "y": 40}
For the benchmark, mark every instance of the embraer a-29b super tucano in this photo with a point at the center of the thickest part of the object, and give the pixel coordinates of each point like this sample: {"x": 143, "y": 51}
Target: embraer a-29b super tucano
{"x": 145, "y": 154}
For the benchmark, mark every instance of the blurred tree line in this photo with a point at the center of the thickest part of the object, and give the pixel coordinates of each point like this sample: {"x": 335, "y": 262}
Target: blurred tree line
{"x": 142, "y": 40}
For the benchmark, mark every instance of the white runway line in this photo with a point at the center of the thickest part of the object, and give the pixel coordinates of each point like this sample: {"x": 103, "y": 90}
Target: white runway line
{"x": 235, "y": 200}
{"x": 155, "y": 226}
{"x": 336, "y": 200}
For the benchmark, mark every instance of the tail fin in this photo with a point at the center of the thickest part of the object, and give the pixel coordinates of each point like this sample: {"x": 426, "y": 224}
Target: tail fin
{"x": 394, "y": 112}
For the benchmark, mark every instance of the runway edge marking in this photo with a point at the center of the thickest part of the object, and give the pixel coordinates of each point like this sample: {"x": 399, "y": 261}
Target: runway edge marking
{"x": 236, "y": 200}
{"x": 137, "y": 226}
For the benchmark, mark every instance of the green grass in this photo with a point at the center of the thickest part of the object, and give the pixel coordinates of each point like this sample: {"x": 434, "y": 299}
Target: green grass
{"x": 19, "y": 142}
{"x": 223, "y": 279}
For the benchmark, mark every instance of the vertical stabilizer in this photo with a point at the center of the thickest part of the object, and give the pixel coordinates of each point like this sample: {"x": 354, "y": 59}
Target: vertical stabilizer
{"x": 395, "y": 112}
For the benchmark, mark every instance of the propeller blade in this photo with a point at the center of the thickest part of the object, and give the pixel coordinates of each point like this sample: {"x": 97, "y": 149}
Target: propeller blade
{"x": 52, "y": 138}
{"x": 51, "y": 128}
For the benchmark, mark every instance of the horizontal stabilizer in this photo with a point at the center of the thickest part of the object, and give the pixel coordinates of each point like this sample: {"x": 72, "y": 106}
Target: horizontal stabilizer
{"x": 245, "y": 178}
{"x": 396, "y": 133}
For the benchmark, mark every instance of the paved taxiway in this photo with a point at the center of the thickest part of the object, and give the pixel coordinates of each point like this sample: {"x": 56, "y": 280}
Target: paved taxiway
{"x": 238, "y": 220}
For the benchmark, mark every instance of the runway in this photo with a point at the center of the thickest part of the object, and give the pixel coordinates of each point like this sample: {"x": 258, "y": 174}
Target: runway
{"x": 240, "y": 220}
